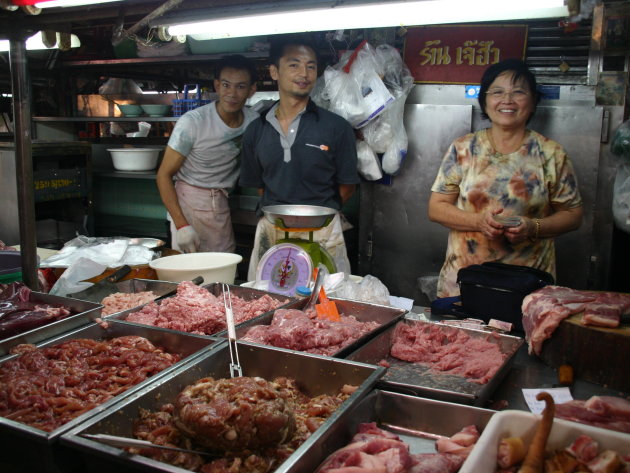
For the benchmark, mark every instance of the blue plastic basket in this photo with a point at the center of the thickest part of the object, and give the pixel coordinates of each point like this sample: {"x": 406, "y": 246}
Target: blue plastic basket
{"x": 181, "y": 106}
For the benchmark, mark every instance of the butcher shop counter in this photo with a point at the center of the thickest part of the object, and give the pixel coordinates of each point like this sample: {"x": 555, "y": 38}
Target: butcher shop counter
{"x": 528, "y": 372}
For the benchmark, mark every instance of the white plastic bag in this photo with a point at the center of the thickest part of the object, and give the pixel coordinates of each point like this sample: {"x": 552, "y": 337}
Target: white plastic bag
{"x": 353, "y": 87}
{"x": 386, "y": 134}
{"x": 621, "y": 198}
{"x": 369, "y": 166}
{"x": 73, "y": 279}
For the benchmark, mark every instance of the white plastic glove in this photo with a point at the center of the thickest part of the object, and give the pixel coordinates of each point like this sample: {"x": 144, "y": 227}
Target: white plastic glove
{"x": 187, "y": 239}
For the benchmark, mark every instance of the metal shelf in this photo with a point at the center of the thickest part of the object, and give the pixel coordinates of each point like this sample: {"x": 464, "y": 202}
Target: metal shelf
{"x": 105, "y": 119}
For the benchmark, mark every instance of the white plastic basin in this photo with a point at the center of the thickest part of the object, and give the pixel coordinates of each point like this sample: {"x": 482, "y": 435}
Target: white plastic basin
{"x": 135, "y": 159}
{"x": 214, "y": 267}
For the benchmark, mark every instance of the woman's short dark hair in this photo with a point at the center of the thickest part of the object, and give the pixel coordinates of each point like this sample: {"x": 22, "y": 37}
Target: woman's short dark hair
{"x": 280, "y": 44}
{"x": 240, "y": 63}
{"x": 519, "y": 69}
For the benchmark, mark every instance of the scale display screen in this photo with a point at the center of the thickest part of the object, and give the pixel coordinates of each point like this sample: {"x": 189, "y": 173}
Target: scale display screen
{"x": 286, "y": 266}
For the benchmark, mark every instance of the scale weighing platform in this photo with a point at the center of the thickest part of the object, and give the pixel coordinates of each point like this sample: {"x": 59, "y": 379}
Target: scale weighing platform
{"x": 290, "y": 262}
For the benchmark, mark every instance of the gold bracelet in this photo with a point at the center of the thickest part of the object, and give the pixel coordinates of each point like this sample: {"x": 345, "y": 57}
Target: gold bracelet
{"x": 536, "y": 231}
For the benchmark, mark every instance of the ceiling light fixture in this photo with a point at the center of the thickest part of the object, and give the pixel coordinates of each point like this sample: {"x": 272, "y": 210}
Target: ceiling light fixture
{"x": 370, "y": 15}
{"x": 36, "y": 42}
{"x": 70, "y": 3}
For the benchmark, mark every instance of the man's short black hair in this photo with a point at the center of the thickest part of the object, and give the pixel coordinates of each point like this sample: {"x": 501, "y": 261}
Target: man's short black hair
{"x": 280, "y": 44}
{"x": 238, "y": 62}
{"x": 519, "y": 69}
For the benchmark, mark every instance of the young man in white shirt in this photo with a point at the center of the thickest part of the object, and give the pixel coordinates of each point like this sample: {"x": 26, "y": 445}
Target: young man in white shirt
{"x": 200, "y": 163}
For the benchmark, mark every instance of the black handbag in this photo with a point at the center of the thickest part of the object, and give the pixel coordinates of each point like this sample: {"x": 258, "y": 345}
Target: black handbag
{"x": 496, "y": 290}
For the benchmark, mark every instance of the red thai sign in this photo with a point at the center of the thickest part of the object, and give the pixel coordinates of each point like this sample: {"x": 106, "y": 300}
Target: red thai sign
{"x": 458, "y": 54}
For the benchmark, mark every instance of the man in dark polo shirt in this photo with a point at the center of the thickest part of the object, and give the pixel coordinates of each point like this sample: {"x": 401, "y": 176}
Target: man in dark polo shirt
{"x": 299, "y": 153}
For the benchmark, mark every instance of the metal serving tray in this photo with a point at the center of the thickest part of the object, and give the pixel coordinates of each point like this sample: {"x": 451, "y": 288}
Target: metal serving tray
{"x": 38, "y": 450}
{"x": 245, "y": 293}
{"x": 418, "y": 379}
{"x": 314, "y": 374}
{"x": 363, "y": 311}
{"x": 87, "y": 313}
{"x": 415, "y": 420}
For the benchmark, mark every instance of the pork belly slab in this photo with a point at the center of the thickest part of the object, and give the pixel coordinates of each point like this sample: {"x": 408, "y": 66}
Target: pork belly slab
{"x": 544, "y": 310}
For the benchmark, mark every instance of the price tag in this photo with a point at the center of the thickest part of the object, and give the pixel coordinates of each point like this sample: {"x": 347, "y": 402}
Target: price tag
{"x": 559, "y": 396}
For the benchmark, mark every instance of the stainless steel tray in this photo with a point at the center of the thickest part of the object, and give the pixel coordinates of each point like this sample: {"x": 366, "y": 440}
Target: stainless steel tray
{"x": 314, "y": 374}
{"x": 87, "y": 313}
{"x": 409, "y": 417}
{"x": 363, "y": 311}
{"x": 417, "y": 379}
{"x": 38, "y": 450}
{"x": 245, "y": 293}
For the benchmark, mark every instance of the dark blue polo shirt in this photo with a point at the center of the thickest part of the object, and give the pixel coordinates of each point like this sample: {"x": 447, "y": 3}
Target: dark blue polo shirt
{"x": 322, "y": 156}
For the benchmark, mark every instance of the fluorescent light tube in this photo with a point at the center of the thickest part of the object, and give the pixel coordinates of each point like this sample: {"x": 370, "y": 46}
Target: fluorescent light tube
{"x": 71, "y": 3}
{"x": 373, "y": 15}
{"x": 35, "y": 42}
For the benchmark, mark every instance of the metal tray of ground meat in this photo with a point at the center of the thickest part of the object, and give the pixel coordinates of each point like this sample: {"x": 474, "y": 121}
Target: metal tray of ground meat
{"x": 418, "y": 379}
{"x": 32, "y": 449}
{"x": 386, "y": 316}
{"x": 86, "y": 312}
{"x": 216, "y": 289}
{"x": 314, "y": 374}
{"x": 417, "y": 421}
{"x": 132, "y": 286}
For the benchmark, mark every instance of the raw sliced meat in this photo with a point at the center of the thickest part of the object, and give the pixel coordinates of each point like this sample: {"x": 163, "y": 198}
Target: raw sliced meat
{"x": 605, "y": 411}
{"x": 196, "y": 310}
{"x": 18, "y": 314}
{"x": 583, "y": 448}
{"x": 303, "y": 331}
{"x": 448, "y": 350}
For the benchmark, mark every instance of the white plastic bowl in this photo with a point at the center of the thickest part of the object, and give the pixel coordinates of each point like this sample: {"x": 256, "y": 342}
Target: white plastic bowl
{"x": 214, "y": 267}
{"x": 135, "y": 159}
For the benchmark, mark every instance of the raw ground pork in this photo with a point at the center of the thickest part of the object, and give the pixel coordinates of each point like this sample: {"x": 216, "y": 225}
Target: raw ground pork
{"x": 375, "y": 450}
{"x": 303, "y": 331}
{"x": 544, "y": 309}
{"x": 448, "y": 350}
{"x": 195, "y": 310}
{"x": 120, "y": 301}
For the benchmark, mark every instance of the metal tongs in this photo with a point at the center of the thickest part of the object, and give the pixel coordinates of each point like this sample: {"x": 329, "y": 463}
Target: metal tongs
{"x": 235, "y": 366}
{"x": 122, "y": 442}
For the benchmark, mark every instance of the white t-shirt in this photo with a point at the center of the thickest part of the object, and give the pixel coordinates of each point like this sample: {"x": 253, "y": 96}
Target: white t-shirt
{"x": 210, "y": 146}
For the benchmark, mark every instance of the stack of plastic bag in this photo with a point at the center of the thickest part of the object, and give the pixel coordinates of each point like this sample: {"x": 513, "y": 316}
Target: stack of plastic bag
{"x": 369, "y": 87}
{"x": 621, "y": 190}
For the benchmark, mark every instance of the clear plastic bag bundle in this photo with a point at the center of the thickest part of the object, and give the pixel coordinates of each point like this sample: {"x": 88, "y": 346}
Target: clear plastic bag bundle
{"x": 369, "y": 166}
{"x": 621, "y": 198}
{"x": 353, "y": 87}
{"x": 621, "y": 141}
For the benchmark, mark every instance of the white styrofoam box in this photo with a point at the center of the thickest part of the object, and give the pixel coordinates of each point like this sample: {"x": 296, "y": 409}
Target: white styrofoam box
{"x": 512, "y": 423}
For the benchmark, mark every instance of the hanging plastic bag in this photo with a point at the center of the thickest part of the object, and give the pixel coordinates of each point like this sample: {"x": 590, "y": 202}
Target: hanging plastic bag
{"x": 369, "y": 166}
{"x": 621, "y": 141}
{"x": 353, "y": 87}
{"x": 621, "y": 198}
{"x": 345, "y": 96}
{"x": 387, "y": 134}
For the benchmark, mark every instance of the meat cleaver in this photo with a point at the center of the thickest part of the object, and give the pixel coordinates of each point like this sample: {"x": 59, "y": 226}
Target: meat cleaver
{"x": 103, "y": 288}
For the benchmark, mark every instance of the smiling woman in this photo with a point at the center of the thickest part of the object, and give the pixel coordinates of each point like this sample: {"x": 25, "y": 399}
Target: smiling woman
{"x": 506, "y": 170}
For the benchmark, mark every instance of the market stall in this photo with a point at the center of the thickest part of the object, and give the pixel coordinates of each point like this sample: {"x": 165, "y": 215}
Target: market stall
{"x": 179, "y": 363}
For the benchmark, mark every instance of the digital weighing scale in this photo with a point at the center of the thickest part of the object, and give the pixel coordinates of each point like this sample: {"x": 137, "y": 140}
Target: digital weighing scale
{"x": 290, "y": 262}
